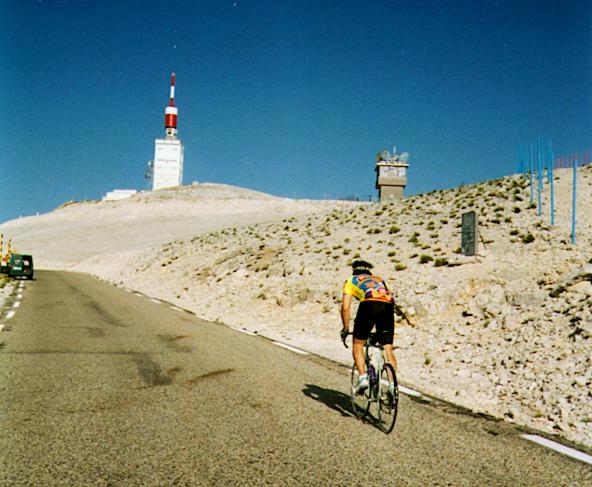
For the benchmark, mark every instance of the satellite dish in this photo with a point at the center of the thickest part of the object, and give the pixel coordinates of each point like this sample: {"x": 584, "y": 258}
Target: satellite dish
{"x": 404, "y": 157}
{"x": 385, "y": 155}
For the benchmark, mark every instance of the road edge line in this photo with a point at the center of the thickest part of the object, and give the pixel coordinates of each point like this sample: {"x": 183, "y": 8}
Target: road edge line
{"x": 411, "y": 392}
{"x": 558, "y": 447}
{"x": 291, "y": 348}
{"x": 246, "y": 332}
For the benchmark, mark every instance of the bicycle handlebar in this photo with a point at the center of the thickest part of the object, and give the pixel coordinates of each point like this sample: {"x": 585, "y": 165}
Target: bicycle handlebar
{"x": 344, "y": 335}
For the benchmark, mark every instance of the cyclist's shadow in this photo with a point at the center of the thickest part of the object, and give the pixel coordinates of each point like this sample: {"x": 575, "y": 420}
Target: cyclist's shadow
{"x": 336, "y": 400}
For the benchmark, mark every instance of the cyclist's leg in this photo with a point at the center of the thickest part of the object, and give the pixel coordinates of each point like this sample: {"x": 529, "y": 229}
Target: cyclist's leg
{"x": 386, "y": 328}
{"x": 362, "y": 326}
{"x": 358, "y": 353}
{"x": 390, "y": 355}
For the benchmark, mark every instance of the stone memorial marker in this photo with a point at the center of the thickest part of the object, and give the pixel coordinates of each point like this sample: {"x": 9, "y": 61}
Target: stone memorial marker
{"x": 468, "y": 244}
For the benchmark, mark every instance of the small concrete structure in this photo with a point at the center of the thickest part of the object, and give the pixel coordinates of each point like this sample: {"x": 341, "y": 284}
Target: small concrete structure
{"x": 119, "y": 194}
{"x": 391, "y": 175}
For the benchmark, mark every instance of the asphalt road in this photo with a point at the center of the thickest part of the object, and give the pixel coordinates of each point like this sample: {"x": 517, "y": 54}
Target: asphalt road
{"x": 102, "y": 387}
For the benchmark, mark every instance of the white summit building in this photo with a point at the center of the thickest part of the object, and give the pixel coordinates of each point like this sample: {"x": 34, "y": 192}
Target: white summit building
{"x": 167, "y": 168}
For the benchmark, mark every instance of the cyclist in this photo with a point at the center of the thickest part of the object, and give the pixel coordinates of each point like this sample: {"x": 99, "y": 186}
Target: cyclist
{"x": 376, "y": 309}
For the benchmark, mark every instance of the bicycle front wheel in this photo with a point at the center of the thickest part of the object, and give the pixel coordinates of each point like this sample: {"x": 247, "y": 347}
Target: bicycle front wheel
{"x": 360, "y": 402}
{"x": 388, "y": 398}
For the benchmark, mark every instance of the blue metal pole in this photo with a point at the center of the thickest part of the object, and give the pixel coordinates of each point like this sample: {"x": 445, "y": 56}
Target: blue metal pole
{"x": 539, "y": 177}
{"x": 573, "y": 209}
{"x": 530, "y": 170}
{"x": 546, "y": 158}
{"x": 552, "y": 181}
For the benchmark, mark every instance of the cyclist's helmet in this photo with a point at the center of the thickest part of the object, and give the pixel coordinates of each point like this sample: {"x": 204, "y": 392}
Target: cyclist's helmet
{"x": 361, "y": 267}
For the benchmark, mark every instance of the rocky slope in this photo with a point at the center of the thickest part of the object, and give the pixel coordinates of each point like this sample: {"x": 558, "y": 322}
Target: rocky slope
{"x": 507, "y": 332}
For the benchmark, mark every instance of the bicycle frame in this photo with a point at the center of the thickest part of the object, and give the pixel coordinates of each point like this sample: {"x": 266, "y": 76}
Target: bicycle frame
{"x": 382, "y": 391}
{"x": 372, "y": 371}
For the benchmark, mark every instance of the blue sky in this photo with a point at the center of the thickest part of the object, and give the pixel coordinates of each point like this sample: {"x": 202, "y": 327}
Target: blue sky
{"x": 289, "y": 97}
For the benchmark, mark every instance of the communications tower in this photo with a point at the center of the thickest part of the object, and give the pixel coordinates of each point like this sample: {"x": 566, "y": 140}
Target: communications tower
{"x": 167, "y": 168}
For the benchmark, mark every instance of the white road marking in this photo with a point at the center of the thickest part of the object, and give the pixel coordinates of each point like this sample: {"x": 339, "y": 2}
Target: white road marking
{"x": 176, "y": 309}
{"x": 570, "y": 452}
{"x": 293, "y": 349}
{"x": 10, "y": 314}
{"x": 411, "y": 392}
{"x": 128, "y": 290}
{"x": 139, "y": 294}
{"x": 246, "y": 332}
{"x": 16, "y": 304}
{"x": 19, "y": 296}
{"x": 156, "y": 301}
{"x": 1, "y": 327}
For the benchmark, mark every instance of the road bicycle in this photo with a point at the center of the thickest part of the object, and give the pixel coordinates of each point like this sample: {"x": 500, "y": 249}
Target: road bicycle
{"x": 379, "y": 401}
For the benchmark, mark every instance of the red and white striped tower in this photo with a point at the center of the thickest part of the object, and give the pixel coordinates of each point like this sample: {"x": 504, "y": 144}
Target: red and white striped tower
{"x": 167, "y": 167}
{"x": 170, "y": 113}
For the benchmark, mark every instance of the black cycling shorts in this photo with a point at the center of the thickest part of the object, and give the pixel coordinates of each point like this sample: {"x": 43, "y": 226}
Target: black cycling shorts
{"x": 379, "y": 314}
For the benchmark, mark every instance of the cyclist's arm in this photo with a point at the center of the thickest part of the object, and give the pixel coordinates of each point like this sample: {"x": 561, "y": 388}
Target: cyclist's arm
{"x": 345, "y": 310}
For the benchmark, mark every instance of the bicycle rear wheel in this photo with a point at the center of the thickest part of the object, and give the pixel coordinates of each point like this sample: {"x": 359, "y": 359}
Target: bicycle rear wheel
{"x": 360, "y": 402}
{"x": 388, "y": 398}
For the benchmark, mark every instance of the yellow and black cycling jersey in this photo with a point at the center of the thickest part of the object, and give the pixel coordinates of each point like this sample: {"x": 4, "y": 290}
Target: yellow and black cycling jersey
{"x": 368, "y": 288}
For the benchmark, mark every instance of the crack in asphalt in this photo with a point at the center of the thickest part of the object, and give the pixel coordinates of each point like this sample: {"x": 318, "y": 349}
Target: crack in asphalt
{"x": 207, "y": 375}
